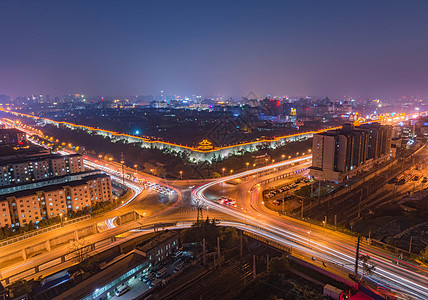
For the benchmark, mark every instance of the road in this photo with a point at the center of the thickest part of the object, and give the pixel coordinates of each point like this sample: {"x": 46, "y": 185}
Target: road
{"x": 336, "y": 250}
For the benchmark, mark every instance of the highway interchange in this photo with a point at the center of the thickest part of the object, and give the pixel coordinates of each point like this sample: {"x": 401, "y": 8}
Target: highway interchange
{"x": 332, "y": 250}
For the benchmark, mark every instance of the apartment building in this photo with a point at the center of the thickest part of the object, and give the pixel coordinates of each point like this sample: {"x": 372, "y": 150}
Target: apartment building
{"x": 12, "y": 137}
{"x": 27, "y": 169}
{"x": 22, "y": 207}
{"x": 338, "y": 155}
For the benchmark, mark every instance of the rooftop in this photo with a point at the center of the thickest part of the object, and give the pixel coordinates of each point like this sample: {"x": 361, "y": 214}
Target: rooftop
{"x": 156, "y": 240}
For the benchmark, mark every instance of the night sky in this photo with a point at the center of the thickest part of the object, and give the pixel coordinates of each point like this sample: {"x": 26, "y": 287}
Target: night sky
{"x": 323, "y": 48}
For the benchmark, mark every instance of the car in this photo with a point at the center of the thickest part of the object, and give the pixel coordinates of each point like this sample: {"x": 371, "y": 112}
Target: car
{"x": 178, "y": 267}
{"x": 161, "y": 272}
{"x": 121, "y": 289}
{"x": 155, "y": 282}
{"x": 77, "y": 273}
{"x": 148, "y": 277}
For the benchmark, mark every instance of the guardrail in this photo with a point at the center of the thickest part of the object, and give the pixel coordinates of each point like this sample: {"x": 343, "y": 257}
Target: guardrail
{"x": 282, "y": 176}
{"x": 41, "y": 231}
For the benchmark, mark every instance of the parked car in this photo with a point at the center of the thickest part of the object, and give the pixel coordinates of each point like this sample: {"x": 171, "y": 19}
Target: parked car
{"x": 148, "y": 277}
{"x": 121, "y": 289}
{"x": 155, "y": 282}
{"x": 161, "y": 272}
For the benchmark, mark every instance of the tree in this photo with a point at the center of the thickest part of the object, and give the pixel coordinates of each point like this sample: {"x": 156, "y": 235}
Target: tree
{"x": 423, "y": 257}
{"x": 279, "y": 265}
{"x": 207, "y": 229}
{"x": 368, "y": 266}
{"x": 79, "y": 249}
{"x": 229, "y": 238}
{"x": 216, "y": 175}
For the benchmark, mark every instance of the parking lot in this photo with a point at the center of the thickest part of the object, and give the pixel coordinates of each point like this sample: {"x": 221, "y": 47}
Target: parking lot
{"x": 154, "y": 277}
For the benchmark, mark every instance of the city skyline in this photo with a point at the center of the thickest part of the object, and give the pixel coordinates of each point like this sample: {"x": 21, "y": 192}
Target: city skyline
{"x": 101, "y": 48}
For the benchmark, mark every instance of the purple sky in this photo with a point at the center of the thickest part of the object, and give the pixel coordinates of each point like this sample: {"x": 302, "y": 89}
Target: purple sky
{"x": 366, "y": 48}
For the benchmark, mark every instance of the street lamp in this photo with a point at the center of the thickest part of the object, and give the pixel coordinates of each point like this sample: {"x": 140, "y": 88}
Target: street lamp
{"x": 223, "y": 171}
{"x": 289, "y": 156}
{"x": 231, "y": 171}
{"x": 61, "y": 219}
{"x": 309, "y": 233}
{"x": 136, "y": 169}
{"x": 181, "y": 174}
{"x": 283, "y": 156}
{"x": 247, "y": 163}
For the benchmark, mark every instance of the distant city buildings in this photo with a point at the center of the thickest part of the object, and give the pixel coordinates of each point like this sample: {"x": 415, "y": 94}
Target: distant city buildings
{"x": 12, "y": 137}
{"x": 338, "y": 155}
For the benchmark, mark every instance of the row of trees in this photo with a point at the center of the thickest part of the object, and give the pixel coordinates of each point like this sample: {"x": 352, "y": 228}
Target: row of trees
{"x": 167, "y": 162}
{"x": 210, "y": 230}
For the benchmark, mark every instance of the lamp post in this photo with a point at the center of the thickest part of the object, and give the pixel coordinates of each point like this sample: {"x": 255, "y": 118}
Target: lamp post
{"x": 247, "y": 163}
{"x": 181, "y": 174}
{"x": 309, "y": 233}
{"x": 136, "y": 169}
{"x": 283, "y": 156}
{"x": 62, "y": 224}
{"x": 223, "y": 171}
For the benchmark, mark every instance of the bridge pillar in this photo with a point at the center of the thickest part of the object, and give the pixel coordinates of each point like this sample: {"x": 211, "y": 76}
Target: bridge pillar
{"x": 24, "y": 254}
{"x": 48, "y": 245}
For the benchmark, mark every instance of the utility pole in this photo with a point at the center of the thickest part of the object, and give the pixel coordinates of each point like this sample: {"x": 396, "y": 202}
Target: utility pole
{"x": 359, "y": 204}
{"x": 357, "y": 257}
{"x": 199, "y": 217}
{"x": 283, "y": 203}
{"x": 254, "y": 266}
{"x": 204, "y": 252}
{"x": 122, "y": 161}
{"x": 240, "y": 238}
{"x": 335, "y": 221}
{"x": 267, "y": 263}
{"x": 218, "y": 250}
{"x": 301, "y": 213}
